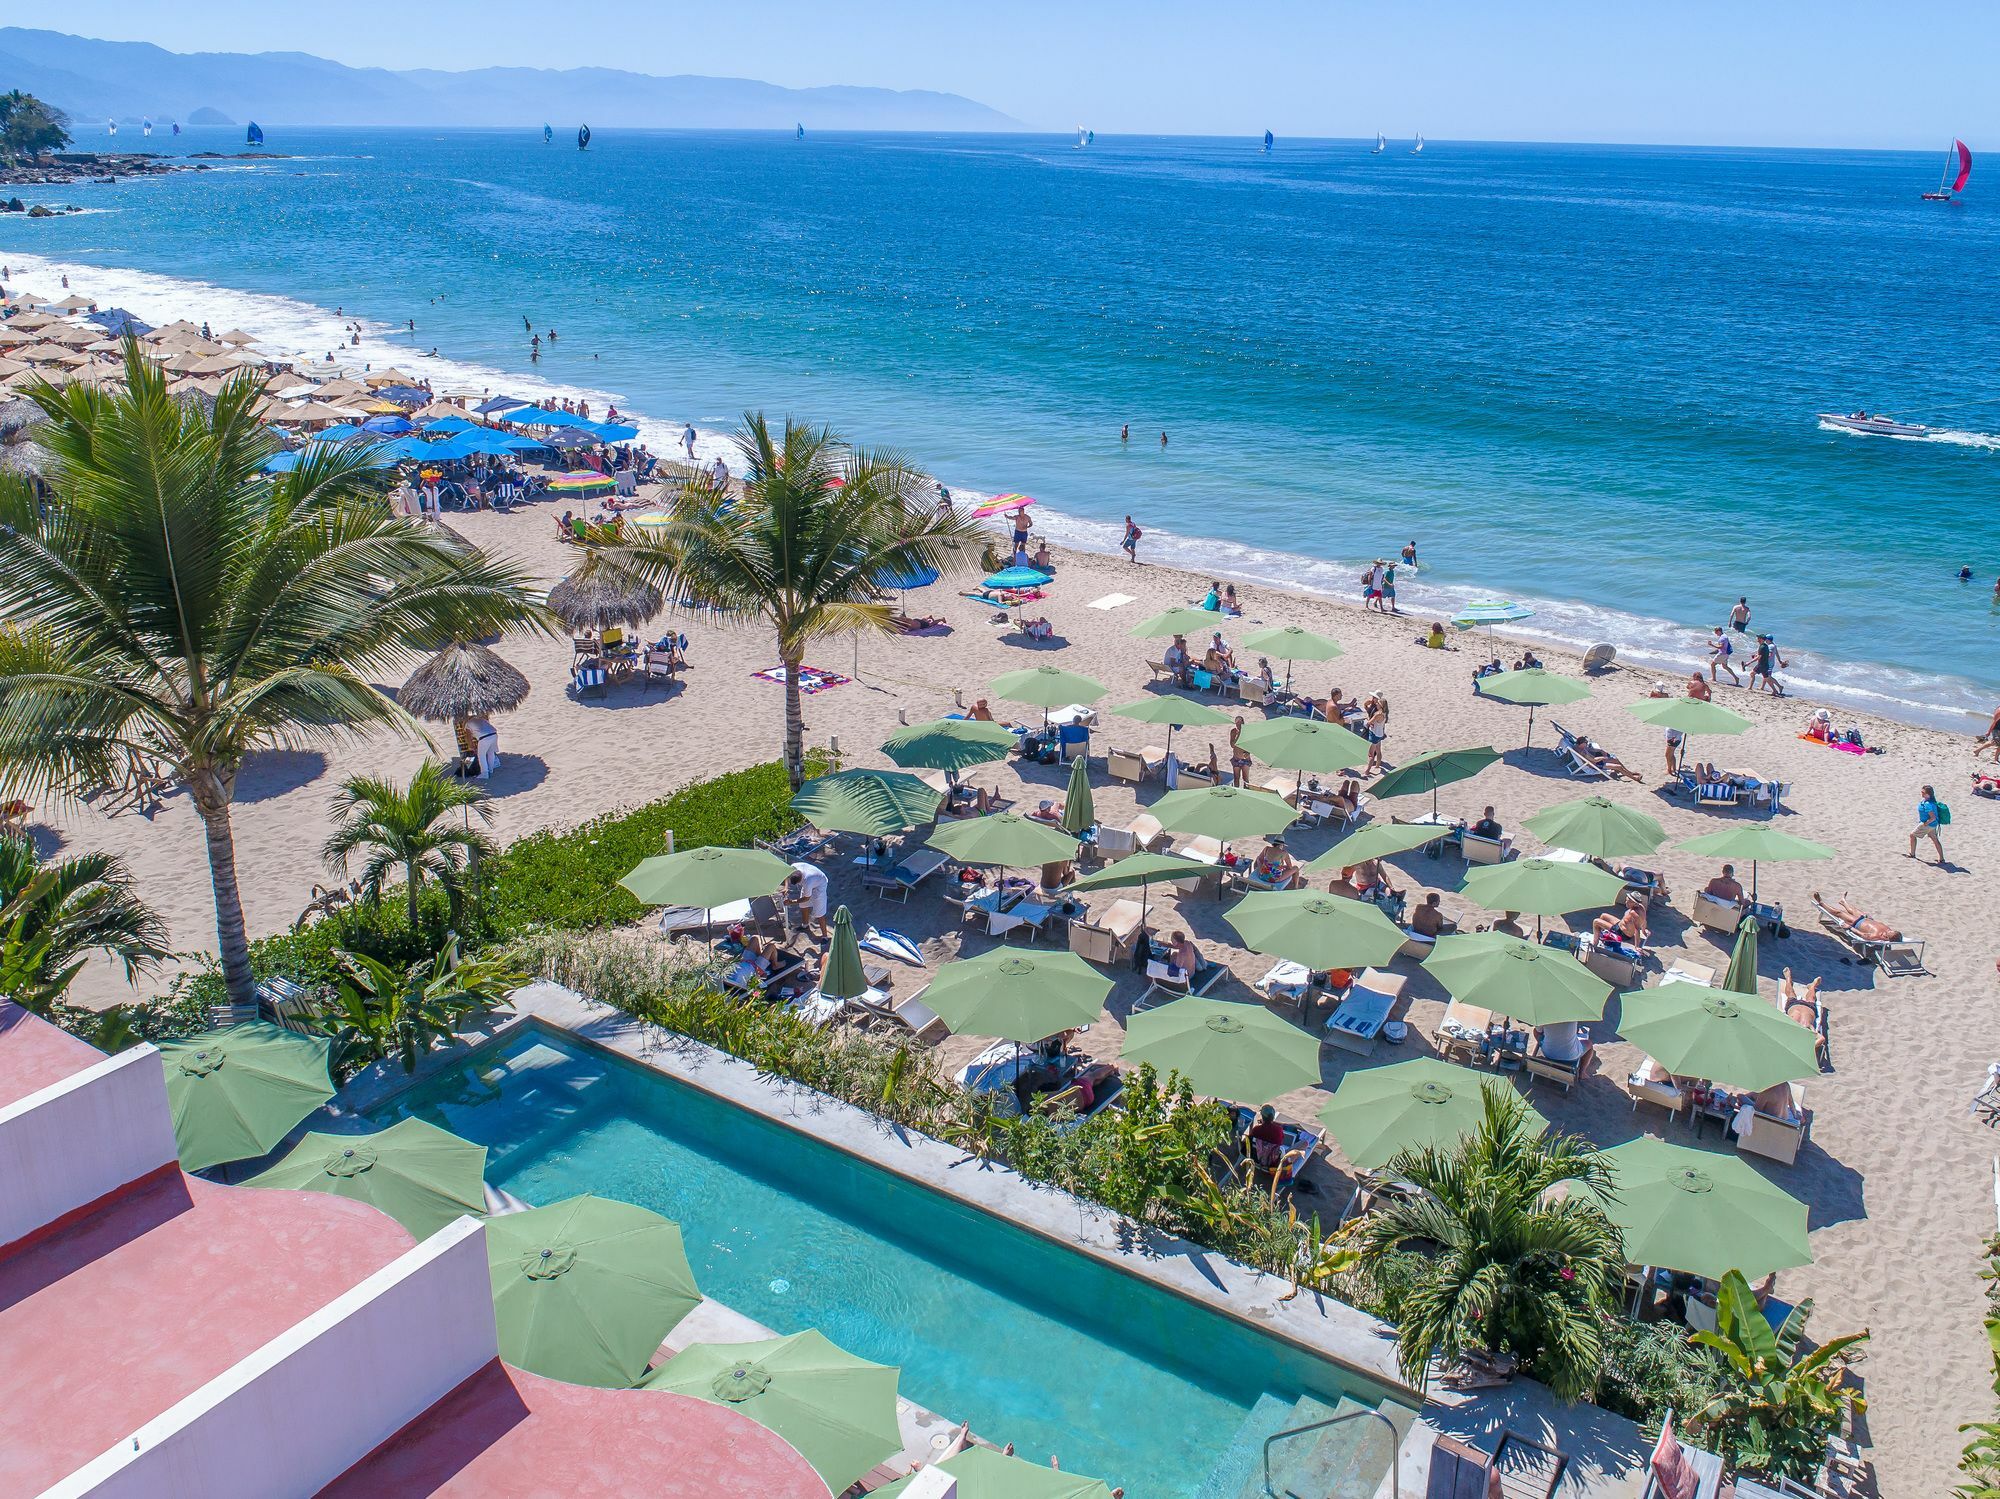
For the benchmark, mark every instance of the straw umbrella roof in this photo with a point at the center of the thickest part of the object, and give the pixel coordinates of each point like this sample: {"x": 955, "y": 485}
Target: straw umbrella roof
{"x": 10, "y": 366}
{"x": 74, "y": 336}
{"x": 390, "y": 376}
{"x": 464, "y": 680}
{"x": 335, "y": 389}
{"x": 30, "y": 460}
{"x": 601, "y": 593}
{"x": 75, "y": 358}
{"x": 234, "y": 336}
{"x": 314, "y": 412}
{"x": 75, "y": 303}
{"x": 33, "y": 320}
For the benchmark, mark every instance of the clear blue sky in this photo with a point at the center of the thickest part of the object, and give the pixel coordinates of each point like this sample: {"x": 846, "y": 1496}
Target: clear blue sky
{"x": 1751, "y": 72}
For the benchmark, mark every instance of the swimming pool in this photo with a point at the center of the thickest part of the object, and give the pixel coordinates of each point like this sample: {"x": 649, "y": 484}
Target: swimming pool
{"x": 1030, "y": 1341}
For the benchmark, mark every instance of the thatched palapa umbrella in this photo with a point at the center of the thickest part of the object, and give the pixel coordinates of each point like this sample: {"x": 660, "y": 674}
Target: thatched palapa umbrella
{"x": 602, "y": 593}
{"x": 462, "y": 681}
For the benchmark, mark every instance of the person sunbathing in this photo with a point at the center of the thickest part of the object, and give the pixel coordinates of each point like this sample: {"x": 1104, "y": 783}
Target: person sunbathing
{"x": 1488, "y": 827}
{"x": 1183, "y": 954}
{"x": 1698, "y": 688}
{"x": 1231, "y": 604}
{"x": 1627, "y": 927}
{"x": 1819, "y": 727}
{"x": 980, "y": 712}
{"x": 1428, "y": 919}
{"x": 1726, "y": 887}
{"x": 1435, "y": 640}
{"x": 1275, "y": 866}
{"x": 1596, "y": 754}
{"x": 1347, "y": 800}
{"x": 1175, "y": 659}
{"x": 1041, "y": 561}
{"x": 1802, "y": 1007}
{"x": 1265, "y": 676}
{"x": 1218, "y": 650}
{"x": 1047, "y": 811}
{"x": 1862, "y": 925}
{"x": 1509, "y": 925}
{"x": 1371, "y": 878}
{"x": 1037, "y": 629}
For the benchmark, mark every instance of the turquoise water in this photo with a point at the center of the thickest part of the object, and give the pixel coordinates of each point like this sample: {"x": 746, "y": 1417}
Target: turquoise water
{"x": 1030, "y": 1342}
{"x": 1587, "y": 376}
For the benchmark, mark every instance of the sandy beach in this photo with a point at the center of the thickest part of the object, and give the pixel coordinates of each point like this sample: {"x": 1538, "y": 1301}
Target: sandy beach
{"x": 1897, "y": 1172}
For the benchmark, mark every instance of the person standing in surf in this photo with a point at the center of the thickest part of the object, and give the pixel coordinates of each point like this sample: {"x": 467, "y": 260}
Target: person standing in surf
{"x": 687, "y": 441}
{"x": 1131, "y": 541}
{"x": 1739, "y": 617}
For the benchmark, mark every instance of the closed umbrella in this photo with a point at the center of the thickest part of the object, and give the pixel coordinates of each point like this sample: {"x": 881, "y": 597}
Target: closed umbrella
{"x": 1425, "y": 1104}
{"x": 1224, "y": 812}
{"x": 1432, "y": 769}
{"x": 1695, "y": 1031}
{"x": 952, "y": 744}
{"x": 1756, "y": 841}
{"x": 1598, "y": 828}
{"x": 836, "y": 1410}
{"x": 1316, "y": 929}
{"x": 1005, "y": 838}
{"x": 236, "y": 1092}
{"x": 1541, "y": 887}
{"x": 1303, "y": 744}
{"x": 872, "y": 803}
{"x": 1018, "y": 995}
{"x": 1376, "y": 841}
{"x": 982, "y": 1473}
{"x": 1174, "y": 711}
{"x": 1519, "y": 979}
{"x": 1225, "y": 1050}
{"x": 418, "y": 1174}
{"x": 1047, "y": 687}
{"x": 586, "y": 1289}
{"x": 843, "y": 977}
{"x": 1533, "y": 688}
{"x": 1181, "y": 621}
{"x": 1741, "y": 975}
{"x": 1079, "y": 813}
{"x": 1699, "y": 1212}
{"x": 1294, "y": 643}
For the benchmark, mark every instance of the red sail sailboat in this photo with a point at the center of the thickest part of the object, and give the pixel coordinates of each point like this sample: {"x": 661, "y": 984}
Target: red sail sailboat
{"x": 1959, "y": 157}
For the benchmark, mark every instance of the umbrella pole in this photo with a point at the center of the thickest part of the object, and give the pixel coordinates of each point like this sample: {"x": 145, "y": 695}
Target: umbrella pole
{"x": 1531, "y": 727}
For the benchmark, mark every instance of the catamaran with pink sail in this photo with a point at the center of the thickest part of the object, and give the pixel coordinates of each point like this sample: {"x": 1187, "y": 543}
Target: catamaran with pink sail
{"x": 1959, "y": 159}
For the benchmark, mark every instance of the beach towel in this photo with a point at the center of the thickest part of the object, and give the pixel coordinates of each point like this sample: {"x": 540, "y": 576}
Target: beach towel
{"x": 1112, "y": 601}
{"x": 811, "y": 678}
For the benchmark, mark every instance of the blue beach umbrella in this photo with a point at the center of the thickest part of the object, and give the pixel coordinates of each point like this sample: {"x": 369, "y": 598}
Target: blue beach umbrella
{"x": 539, "y": 416}
{"x": 900, "y": 578}
{"x": 339, "y": 432}
{"x": 444, "y": 450}
{"x": 498, "y": 403}
{"x": 448, "y": 424}
{"x": 388, "y": 426}
{"x": 572, "y": 437}
{"x": 119, "y": 323}
{"x": 404, "y": 395}
{"x": 613, "y": 431}
{"x": 281, "y": 463}
{"x": 1016, "y": 577}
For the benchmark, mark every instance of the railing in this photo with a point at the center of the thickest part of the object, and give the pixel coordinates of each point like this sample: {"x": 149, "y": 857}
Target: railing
{"x": 1395, "y": 1452}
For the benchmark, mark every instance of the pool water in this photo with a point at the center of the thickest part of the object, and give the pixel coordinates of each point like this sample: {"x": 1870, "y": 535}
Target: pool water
{"x": 1029, "y": 1341}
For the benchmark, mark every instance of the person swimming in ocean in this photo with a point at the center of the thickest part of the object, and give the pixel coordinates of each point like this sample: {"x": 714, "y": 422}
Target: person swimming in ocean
{"x": 1410, "y": 553}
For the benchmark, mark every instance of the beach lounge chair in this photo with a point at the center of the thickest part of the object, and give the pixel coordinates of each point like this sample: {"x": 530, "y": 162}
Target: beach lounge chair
{"x": 1109, "y": 936}
{"x": 1873, "y": 941}
{"x": 1253, "y": 692}
{"x": 1161, "y": 671}
{"x": 805, "y": 843}
{"x": 1357, "y": 1022}
{"x": 1135, "y": 766}
{"x": 1673, "y": 1463}
{"x": 1563, "y": 1074}
{"x": 1518, "y": 1468}
{"x": 1573, "y": 761}
{"x": 1301, "y": 1145}
{"x": 1478, "y": 850}
{"x": 587, "y": 676}
{"x": 906, "y": 875}
{"x": 1072, "y": 739}
{"x": 919, "y": 1019}
{"x": 1775, "y": 1137}
{"x": 1651, "y": 1084}
{"x": 1165, "y": 983}
{"x": 1717, "y": 914}
{"x": 1599, "y": 658}
{"x": 663, "y": 665}
{"x": 1462, "y": 1031}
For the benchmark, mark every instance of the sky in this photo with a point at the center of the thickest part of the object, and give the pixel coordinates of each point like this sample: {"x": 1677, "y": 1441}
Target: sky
{"x": 1751, "y": 72}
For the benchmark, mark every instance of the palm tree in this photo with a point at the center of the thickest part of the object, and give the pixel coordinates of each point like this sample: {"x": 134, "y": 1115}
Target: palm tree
{"x": 53, "y": 916}
{"x": 806, "y": 546}
{"x": 174, "y": 601}
{"x": 412, "y": 828}
{"x": 1504, "y": 1266}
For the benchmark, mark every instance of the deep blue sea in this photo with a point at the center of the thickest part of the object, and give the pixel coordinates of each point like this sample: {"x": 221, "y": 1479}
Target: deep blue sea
{"x": 1584, "y": 377}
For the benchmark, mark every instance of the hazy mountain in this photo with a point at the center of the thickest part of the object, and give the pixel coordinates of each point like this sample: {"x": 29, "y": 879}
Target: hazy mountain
{"x": 96, "y": 80}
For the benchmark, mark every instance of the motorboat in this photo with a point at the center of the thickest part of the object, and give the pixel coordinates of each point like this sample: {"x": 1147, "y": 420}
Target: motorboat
{"x": 1870, "y": 425}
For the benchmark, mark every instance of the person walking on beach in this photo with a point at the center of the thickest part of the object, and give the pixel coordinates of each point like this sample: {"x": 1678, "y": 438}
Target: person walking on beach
{"x": 1931, "y": 816}
{"x": 1739, "y": 617}
{"x": 687, "y": 441}
{"x": 1766, "y": 666}
{"x": 1719, "y": 651}
{"x": 1389, "y": 589}
{"x": 1131, "y": 541}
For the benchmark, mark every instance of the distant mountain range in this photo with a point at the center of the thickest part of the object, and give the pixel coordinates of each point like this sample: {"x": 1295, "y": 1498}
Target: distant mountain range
{"x": 96, "y": 80}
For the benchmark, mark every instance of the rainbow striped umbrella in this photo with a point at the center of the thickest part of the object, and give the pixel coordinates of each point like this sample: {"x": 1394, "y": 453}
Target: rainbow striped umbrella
{"x": 998, "y": 503}
{"x": 582, "y": 481}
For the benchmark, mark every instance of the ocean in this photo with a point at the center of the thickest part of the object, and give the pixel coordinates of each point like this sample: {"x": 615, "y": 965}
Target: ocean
{"x": 1581, "y": 377}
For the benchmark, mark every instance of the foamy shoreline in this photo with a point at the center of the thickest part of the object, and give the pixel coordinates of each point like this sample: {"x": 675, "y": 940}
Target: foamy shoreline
{"x": 305, "y": 332}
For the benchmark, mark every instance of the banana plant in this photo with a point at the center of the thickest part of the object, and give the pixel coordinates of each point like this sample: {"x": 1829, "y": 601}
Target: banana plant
{"x": 379, "y": 1012}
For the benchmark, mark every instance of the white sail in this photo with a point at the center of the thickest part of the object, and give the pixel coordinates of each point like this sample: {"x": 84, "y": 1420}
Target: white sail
{"x": 1381, "y": 143}
{"x": 1418, "y": 148}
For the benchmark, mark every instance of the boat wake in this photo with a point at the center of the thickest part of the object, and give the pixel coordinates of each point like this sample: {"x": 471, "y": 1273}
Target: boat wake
{"x": 1951, "y": 437}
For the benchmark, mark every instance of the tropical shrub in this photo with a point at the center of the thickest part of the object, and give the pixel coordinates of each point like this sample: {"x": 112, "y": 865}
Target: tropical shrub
{"x": 380, "y": 1012}
{"x": 1653, "y": 1367}
{"x": 54, "y": 914}
{"x": 1980, "y": 1461}
{"x": 423, "y": 829}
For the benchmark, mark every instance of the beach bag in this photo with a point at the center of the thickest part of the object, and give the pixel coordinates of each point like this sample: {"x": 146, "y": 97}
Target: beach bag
{"x": 1944, "y": 815}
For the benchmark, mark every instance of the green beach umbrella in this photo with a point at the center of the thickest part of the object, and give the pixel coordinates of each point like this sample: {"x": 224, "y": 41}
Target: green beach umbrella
{"x": 1226, "y": 1050}
{"x": 1432, "y": 769}
{"x": 1517, "y": 978}
{"x": 1224, "y": 812}
{"x": 1757, "y": 842}
{"x": 1018, "y": 995}
{"x": 1541, "y": 887}
{"x": 706, "y": 877}
{"x": 1181, "y": 621}
{"x": 1079, "y": 812}
{"x": 836, "y": 1410}
{"x": 952, "y": 744}
{"x": 1376, "y": 841}
{"x": 1733, "y": 1039}
{"x": 873, "y": 803}
{"x": 1700, "y": 1212}
{"x": 1004, "y": 838}
{"x": 1533, "y": 688}
{"x": 1741, "y": 975}
{"x": 843, "y": 978}
{"x": 236, "y": 1092}
{"x": 1047, "y": 687}
{"x": 1418, "y": 1105}
{"x": 1294, "y": 644}
{"x": 1597, "y": 827}
{"x": 1315, "y": 928}
{"x": 418, "y": 1174}
{"x": 982, "y": 1473}
{"x": 1174, "y": 711}
{"x": 1141, "y": 869}
{"x": 1303, "y": 744}
{"x": 584, "y": 1290}
{"x": 1690, "y": 715}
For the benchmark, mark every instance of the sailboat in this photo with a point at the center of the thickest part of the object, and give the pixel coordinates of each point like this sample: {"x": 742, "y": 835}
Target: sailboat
{"x": 1381, "y": 144}
{"x": 583, "y": 137}
{"x": 110, "y": 127}
{"x": 1958, "y": 156}
{"x": 802, "y": 132}
{"x": 254, "y": 135}
{"x": 548, "y": 133}
{"x": 1084, "y": 137}
{"x": 146, "y": 128}
{"x": 1418, "y": 148}
{"x": 1268, "y": 142}
{"x": 177, "y": 127}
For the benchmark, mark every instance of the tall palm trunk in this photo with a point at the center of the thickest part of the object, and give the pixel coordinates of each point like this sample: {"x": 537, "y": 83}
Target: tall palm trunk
{"x": 211, "y": 791}
{"x": 795, "y": 723}
{"x": 410, "y": 890}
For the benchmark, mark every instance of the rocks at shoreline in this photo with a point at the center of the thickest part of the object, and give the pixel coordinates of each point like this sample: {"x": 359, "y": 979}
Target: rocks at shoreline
{"x": 92, "y": 166}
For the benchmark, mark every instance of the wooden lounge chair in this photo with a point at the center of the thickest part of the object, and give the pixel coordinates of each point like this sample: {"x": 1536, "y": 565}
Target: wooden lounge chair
{"x": 1134, "y": 766}
{"x": 1517, "y": 1468}
{"x": 919, "y": 1019}
{"x": 1109, "y": 936}
{"x": 1165, "y": 983}
{"x": 1715, "y": 913}
{"x": 1651, "y": 1085}
{"x": 1462, "y": 1031}
{"x": 1478, "y": 850}
{"x": 1141, "y": 835}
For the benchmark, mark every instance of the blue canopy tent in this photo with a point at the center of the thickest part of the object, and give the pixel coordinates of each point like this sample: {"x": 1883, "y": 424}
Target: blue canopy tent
{"x": 612, "y": 431}
{"x": 416, "y": 450}
{"x": 482, "y": 441}
{"x": 119, "y": 323}
{"x": 388, "y": 426}
{"x": 1016, "y": 577}
{"x": 498, "y": 403}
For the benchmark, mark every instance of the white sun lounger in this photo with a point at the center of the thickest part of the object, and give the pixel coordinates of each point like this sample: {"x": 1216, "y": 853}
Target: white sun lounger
{"x": 915, "y": 867}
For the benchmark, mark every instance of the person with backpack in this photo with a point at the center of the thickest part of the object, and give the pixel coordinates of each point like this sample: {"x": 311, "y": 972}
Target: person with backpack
{"x": 1932, "y": 815}
{"x": 1131, "y": 542}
